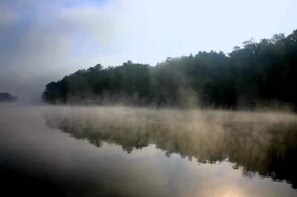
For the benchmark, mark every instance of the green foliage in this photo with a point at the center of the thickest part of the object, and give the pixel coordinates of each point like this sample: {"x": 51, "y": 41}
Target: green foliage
{"x": 258, "y": 72}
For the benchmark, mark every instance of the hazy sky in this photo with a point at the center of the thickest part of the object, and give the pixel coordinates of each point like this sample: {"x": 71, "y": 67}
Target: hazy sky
{"x": 42, "y": 41}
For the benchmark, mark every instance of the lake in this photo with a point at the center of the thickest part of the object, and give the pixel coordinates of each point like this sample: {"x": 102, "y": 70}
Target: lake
{"x": 123, "y": 151}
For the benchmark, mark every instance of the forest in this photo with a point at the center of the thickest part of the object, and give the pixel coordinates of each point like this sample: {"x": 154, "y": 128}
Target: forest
{"x": 6, "y": 97}
{"x": 257, "y": 73}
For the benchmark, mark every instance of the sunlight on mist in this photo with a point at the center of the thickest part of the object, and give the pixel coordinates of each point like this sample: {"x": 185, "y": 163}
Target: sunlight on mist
{"x": 132, "y": 150}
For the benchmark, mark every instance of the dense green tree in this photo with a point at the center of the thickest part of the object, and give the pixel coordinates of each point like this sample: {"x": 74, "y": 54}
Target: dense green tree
{"x": 262, "y": 72}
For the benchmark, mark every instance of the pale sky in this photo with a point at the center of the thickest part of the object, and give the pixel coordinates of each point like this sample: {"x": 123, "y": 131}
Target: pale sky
{"x": 42, "y": 41}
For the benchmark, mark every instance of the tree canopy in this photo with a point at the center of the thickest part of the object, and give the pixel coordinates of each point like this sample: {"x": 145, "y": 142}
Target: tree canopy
{"x": 6, "y": 97}
{"x": 258, "y": 72}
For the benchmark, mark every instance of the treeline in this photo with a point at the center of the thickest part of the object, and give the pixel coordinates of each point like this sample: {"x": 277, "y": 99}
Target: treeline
{"x": 6, "y": 97}
{"x": 258, "y": 73}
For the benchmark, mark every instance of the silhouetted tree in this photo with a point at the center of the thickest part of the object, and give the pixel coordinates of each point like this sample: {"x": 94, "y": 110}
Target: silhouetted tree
{"x": 258, "y": 72}
{"x": 6, "y": 97}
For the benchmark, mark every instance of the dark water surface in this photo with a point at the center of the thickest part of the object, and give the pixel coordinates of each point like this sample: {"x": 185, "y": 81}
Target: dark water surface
{"x": 118, "y": 151}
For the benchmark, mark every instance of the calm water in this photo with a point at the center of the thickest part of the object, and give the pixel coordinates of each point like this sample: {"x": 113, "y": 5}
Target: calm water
{"x": 117, "y": 151}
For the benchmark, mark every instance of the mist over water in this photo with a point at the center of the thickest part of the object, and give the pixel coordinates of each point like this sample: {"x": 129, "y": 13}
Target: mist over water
{"x": 125, "y": 98}
{"x": 124, "y": 151}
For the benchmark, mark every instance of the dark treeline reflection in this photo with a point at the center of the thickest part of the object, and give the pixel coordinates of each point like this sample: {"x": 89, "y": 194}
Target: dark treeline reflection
{"x": 259, "y": 73}
{"x": 260, "y": 143}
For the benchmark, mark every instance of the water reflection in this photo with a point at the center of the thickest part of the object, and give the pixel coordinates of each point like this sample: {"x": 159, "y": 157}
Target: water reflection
{"x": 38, "y": 159}
{"x": 261, "y": 144}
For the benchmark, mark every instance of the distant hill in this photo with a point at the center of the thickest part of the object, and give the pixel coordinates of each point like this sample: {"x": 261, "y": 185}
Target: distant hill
{"x": 259, "y": 73}
{"x": 6, "y": 97}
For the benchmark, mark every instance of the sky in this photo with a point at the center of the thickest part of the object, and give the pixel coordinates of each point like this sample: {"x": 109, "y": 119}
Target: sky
{"x": 42, "y": 41}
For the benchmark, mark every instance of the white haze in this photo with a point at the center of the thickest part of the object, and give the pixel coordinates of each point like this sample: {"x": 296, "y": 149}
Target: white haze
{"x": 43, "y": 41}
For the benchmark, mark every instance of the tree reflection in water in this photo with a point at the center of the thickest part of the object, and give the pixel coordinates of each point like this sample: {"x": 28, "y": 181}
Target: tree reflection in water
{"x": 260, "y": 143}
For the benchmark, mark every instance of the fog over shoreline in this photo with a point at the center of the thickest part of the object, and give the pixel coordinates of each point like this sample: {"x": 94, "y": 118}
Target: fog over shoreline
{"x": 43, "y": 41}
